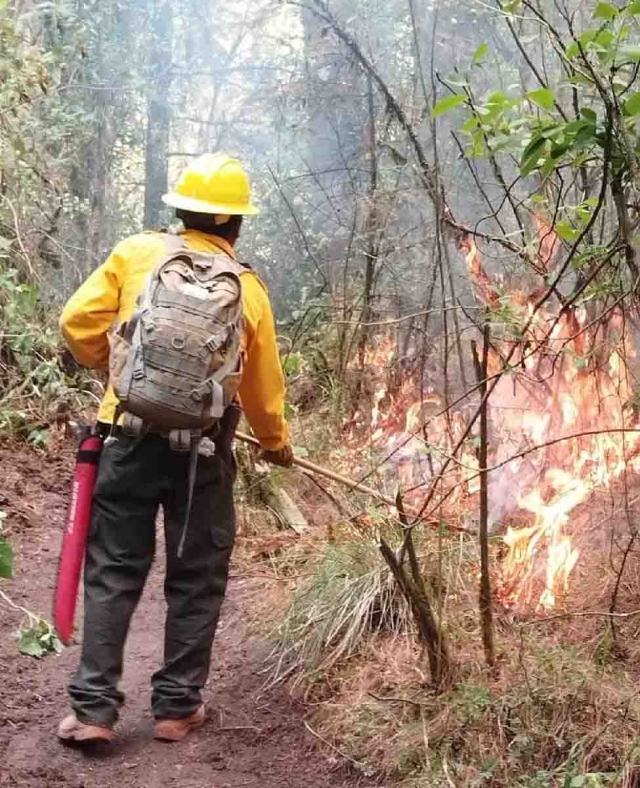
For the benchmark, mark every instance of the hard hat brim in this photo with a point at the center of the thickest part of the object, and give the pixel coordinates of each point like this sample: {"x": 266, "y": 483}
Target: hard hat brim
{"x": 201, "y": 206}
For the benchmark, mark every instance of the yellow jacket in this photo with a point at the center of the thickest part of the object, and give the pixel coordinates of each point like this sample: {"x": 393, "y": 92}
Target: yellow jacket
{"x": 110, "y": 294}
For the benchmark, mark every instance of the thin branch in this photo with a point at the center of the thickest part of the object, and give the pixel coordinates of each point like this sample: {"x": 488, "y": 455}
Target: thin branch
{"x": 363, "y": 767}
{"x": 579, "y": 614}
{"x": 303, "y": 235}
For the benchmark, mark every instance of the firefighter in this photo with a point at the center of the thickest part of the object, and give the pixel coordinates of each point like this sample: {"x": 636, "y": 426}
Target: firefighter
{"x": 138, "y": 475}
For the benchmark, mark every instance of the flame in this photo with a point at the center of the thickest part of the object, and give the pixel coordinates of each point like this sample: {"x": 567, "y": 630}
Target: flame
{"x": 575, "y": 382}
{"x": 572, "y": 379}
{"x": 487, "y": 290}
{"x": 548, "y": 243}
{"x": 407, "y": 421}
{"x": 524, "y": 544}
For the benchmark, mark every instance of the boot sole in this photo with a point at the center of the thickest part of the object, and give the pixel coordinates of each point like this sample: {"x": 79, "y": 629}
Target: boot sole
{"x": 91, "y": 740}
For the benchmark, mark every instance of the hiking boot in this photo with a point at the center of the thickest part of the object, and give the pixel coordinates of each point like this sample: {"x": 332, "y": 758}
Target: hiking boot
{"x": 72, "y": 731}
{"x": 176, "y": 730}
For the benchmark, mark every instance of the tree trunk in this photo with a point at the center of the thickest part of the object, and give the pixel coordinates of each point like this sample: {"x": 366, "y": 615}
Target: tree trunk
{"x": 486, "y": 613}
{"x": 430, "y": 634}
{"x": 158, "y": 113}
{"x": 371, "y": 231}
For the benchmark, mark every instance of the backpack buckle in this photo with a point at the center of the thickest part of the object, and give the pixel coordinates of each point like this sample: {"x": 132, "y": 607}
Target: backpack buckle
{"x": 180, "y": 440}
{"x": 207, "y": 448}
{"x": 217, "y": 400}
{"x": 133, "y": 425}
{"x": 147, "y": 320}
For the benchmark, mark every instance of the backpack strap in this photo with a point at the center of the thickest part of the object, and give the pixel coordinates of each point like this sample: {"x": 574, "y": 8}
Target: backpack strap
{"x": 173, "y": 242}
{"x": 134, "y": 366}
{"x": 195, "y": 437}
{"x": 217, "y": 392}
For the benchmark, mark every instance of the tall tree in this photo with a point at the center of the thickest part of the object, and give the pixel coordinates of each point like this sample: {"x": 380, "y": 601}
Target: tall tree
{"x": 158, "y": 112}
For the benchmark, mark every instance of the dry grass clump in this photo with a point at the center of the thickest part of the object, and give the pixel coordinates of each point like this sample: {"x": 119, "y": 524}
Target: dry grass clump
{"x": 346, "y": 596}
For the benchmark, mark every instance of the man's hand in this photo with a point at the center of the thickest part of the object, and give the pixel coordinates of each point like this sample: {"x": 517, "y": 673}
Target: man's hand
{"x": 282, "y": 457}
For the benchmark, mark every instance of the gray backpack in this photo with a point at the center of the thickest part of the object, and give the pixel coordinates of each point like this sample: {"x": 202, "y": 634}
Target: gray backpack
{"x": 176, "y": 364}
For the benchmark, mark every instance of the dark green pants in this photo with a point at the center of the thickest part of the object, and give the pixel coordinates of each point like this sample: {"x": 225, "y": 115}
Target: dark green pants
{"x": 135, "y": 478}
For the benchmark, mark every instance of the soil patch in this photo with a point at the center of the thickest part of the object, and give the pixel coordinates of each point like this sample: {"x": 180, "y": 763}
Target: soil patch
{"x": 253, "y": 737}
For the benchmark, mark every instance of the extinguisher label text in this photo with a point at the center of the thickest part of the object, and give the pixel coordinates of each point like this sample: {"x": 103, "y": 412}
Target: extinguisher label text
{"x": 73, "y": 507}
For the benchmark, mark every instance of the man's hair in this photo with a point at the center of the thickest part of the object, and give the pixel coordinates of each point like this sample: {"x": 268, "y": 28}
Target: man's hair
{"x": 205, "y": 223}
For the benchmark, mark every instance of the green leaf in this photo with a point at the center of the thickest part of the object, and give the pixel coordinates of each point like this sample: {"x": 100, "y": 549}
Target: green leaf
{"x": 447, "y": 104}
{"x": 552, "y": 131}
{"x": 632, "y": 104}
{"x": 588, "y": 36}
{"x": 634, "y": 8}
{"x": 543, "y": 97}
{"x": 498, "y": 98}
{"x": 585, "y": 136}
{"x": 471, "y": 124}
{"x": 480, "y": 52}
{"x": 29, "y": 643}
{"x": 605, "y": 11}
{"x": 589, "y": 114}
{"x": 584, "y": 213}
{"x": 6, "y": 558}
{"x": 532, "y": 154}
{"x": 573, "y": 50}
{"x": 479, "y": 144}
{"x": 565, "y": 231}
{"x": 38, "y": 640}
{"x": 605, "y": 38}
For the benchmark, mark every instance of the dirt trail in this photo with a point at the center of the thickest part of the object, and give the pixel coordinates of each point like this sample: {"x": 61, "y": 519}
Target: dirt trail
{"x": 252, "y": 738}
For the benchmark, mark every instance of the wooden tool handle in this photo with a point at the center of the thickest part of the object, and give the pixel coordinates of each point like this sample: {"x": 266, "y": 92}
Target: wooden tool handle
{"x": 336, "y": 477}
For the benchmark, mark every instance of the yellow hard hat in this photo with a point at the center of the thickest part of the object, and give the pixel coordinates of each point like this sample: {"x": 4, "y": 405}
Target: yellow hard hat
{"x": 214, "y": 183}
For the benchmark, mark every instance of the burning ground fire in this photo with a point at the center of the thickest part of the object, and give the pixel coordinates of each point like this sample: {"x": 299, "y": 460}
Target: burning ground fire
{"x": 569, "y": 377}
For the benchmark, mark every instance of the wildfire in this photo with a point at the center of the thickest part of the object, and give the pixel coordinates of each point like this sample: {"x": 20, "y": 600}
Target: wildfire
{"x": 559, "y": 424}
{"x": 572, "y": 381}
{"x": 408, "y": 421}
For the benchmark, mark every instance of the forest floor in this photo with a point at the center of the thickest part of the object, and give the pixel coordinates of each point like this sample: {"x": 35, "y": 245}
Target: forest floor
{"x": 253, "y": 737}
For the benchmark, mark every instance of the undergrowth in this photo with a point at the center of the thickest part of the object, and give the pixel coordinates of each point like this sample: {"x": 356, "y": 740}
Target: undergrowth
{"x": 553, "y": 714}
{"x": 35, "y": 388}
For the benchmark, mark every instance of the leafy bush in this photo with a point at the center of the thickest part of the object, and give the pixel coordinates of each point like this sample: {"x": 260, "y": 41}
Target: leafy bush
{"x": 35, "y": 387}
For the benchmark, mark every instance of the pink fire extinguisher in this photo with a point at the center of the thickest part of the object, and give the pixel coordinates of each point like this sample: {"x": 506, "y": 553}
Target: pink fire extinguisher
{"x": 75, "y": 536}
